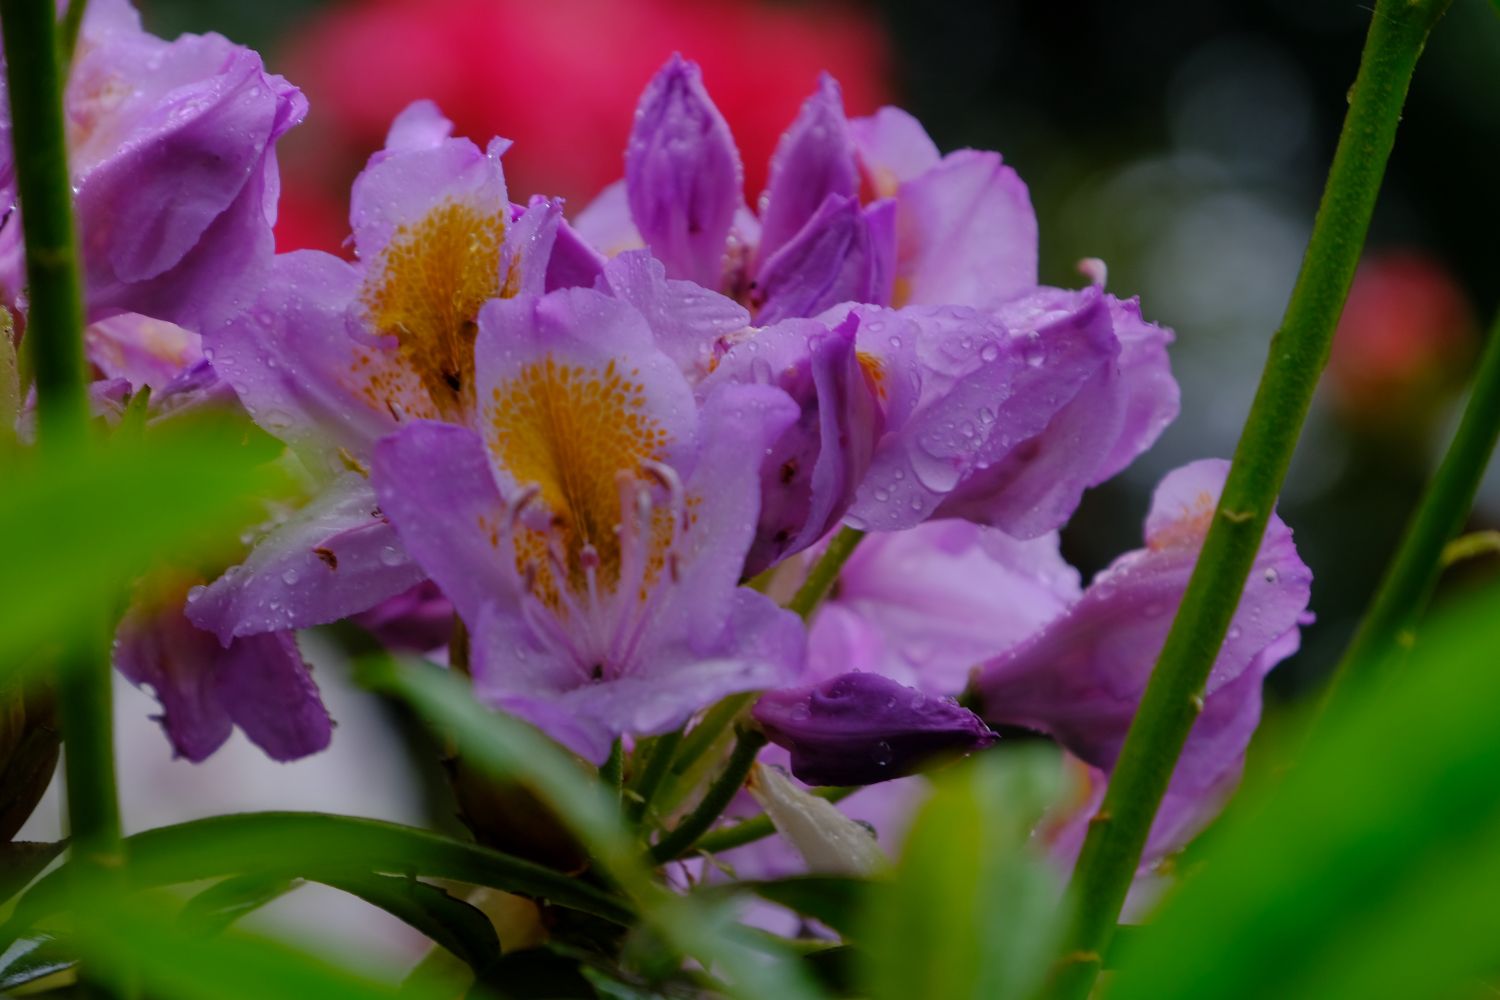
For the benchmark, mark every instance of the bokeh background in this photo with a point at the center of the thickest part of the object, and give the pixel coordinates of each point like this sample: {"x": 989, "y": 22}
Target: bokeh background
{"x": 1183, "y": 142}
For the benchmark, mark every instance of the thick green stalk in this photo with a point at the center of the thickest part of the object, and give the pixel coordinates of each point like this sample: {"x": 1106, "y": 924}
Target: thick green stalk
{"x": 54, "y": 336}
{"x": 1298, "y": 351}
{"x": 696, "y": 823}
{"x": 54, "y": 320}
{"x": 1386, "y": 629}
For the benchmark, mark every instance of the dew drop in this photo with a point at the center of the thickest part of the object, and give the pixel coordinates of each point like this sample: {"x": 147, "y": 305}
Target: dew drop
{"x": 195, "y": 592}
{"x": 389, "y": 556}
{"x": 289, "y": 577}
{"x": 883, "y": 754}
{"x": 1272, "y": 576}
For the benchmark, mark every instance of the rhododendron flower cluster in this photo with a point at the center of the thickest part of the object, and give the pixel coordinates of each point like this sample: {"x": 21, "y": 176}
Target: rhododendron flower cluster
{"x": 586, "y": 458}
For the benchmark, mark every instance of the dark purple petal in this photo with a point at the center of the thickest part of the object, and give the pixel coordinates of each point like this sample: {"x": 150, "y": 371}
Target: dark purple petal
{"x": 861, "y": 728}
{"x": 419, "y": 619}
{"x": 268, "y": 691}
{"x": 833, "y": 258}
{"x": 162, "y": 650}
{"x": 814, "y": 160}
{"x": 682, "y": 174}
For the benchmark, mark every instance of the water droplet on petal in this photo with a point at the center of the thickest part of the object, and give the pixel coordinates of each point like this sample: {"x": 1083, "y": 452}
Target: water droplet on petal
{"x": 390, "y": 556}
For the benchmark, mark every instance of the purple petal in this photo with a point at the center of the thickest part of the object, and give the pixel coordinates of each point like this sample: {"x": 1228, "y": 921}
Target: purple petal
{"x": 893, "y": 148}
{"x": 162, "y": 167}
{"x": 1151, "y": 399}
{"x": 833, "y": 258}
{"x": 420, "y": 125}
{"x": 452, "y": 525}
{"x": 526, "y": 254}
{"x": 966, "y": 232}
{"x": 687, "y": 319}
{"x": 162, "y": 650}
{"x": 335, "y": 557}
{"x": 419, "y": 619}
{"x": 859, "y": 729}
{"x": 923, "y": 606}
{"x": 808, "y": 475}
{"x": 143, "y": 350}
{"x": 269, "y": 693}
{"x": 605, "y": 222}
{"x": 988, "y": 385}
{"x": 295, "y": 366}
{"x": 1081, "y": 677}
{"x": 682, "y": 174}
{"x": 574, "y": 263}
{"x": 813, "y": 161}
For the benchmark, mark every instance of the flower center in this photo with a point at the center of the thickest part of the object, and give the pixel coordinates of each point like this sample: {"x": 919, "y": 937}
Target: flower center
{"x": 582, "y": 438}
{"x": 425, "y": 290}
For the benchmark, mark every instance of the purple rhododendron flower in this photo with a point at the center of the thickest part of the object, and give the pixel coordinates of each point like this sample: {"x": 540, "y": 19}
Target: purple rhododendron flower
{"x": 172, "y": 150}
{"x": 592, "y": 527}
{"x": 333, "y": 356}
{"x": 862, "y": 728}
{"x": 1081, "y": 676}
{"x": 999, "y": 401}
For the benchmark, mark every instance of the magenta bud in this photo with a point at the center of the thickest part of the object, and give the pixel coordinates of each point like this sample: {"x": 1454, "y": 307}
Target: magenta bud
{"x": 862, "y": 728}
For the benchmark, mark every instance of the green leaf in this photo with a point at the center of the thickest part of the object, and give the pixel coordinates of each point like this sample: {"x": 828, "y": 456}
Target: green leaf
{"x": 1370, "y": 868}
{"x": 510, "y": 749}
{"x": 81, "y": 524}
{"x": 27, "y": 960}
{"x": 133, "y": 943}
{"x": 221, "y": 904}
{"x": 318, "y": 847}
{"x": 971, "y": 912}
{"x": 452, "y": 923}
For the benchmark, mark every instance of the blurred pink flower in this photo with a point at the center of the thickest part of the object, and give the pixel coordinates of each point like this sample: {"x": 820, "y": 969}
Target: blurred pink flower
{"x": 1406, "y": 332}
{"x": 558, "y": 78}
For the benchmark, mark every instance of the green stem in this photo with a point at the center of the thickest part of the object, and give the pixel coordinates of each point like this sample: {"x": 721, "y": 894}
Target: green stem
{"x": 1173, "y": 698}
{"x": 825, "y": 571}
{"x": 68, "y": 37}
{"x": 54, "y": 320}
{"x": 54, "y": 335}
{"x": 658, "y": 764}
{"x": 714, "y": 801}
{"x": 1412, "y": 576}
{"x": 758, "y": 827}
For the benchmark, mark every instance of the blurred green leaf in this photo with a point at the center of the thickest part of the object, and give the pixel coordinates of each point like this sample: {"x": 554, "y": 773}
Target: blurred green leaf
{"x": 1371, "y": 868}
{"x": 320, "y": 847}
{"x": 135, "y": 943}
{"x": 450, "y": 922}
{"x": 78, "y": 526}
{"x": 27, "y": 960}
{"x": 222, "y": 903}
{"x": 510, "y": 749}
{"x": 971, "y": 912}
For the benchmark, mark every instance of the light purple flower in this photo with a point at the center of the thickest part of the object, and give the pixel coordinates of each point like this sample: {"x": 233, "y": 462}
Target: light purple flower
{"x": 1080, "y": 677}
{"x": 1019, "y": 397}
{"x": 592, "y": 530}
{"x": 861, "y": 728}
{"x": 333, "y": 356}
{"x": 172, "y": 149}
{"x": 260, "y": 684}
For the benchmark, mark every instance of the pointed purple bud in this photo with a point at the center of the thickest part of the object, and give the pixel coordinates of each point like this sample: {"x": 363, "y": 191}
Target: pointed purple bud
{"x": 814, "y": 159}
{"x": 834, "y": 258}
{"x": 682, "y": 174}
{"x": 862, "y": 728}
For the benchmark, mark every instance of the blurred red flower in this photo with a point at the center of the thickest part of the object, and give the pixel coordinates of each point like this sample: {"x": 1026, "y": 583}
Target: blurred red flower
{"x": 560, "y": 78}
{"x": 1405, "y": 335}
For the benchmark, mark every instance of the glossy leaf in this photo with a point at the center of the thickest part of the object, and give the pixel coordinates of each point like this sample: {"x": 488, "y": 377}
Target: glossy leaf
{"x": 222, "y": 903}
{"x": 317, "y": 846}
{"x": 971, "y": 912}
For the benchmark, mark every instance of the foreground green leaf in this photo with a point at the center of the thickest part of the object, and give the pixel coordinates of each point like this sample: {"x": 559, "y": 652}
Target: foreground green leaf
{"x": 320, "y": 848}
{"x": 971, "y": 912}
{"x": 510, "y": 749}
{"x": 80, "y": 524}
{"x": 1371, "y": 868}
